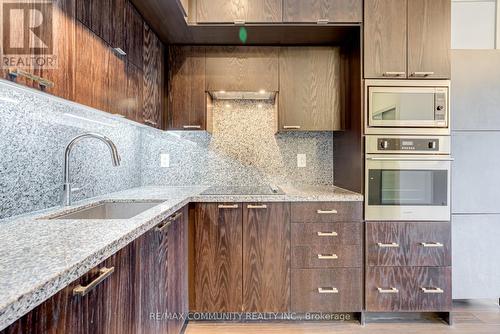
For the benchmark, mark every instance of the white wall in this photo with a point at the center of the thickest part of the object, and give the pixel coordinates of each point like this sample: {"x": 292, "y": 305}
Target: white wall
{"x": 474, "y": 24}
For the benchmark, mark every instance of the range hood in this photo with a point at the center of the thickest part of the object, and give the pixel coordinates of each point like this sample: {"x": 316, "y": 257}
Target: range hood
{"x": 237, "y": 95}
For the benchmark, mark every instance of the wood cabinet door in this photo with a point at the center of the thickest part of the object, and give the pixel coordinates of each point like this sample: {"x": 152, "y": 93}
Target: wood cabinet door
{"x": 105, "y": 18}
{"x": 186, "y": 88}
{"x": 385, "y": 38}
{"x": 323, "y": 11}
{"x": 133, "y": 35}
{"x": 177, "y": 271}
{"x": 266, "y": 257}
{"x": 236, "y": 68}
{"x": 429, "y": 38}
{"x": 153, "y": 57}
{"x": 132, "y": 105}
{"x": 218, "y": 257}
{"x": 309, "y": 97}
{"x": 230, "y": 11}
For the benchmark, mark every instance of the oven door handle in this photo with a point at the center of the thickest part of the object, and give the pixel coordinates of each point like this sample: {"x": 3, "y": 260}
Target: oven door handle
{"x": 409, "y": 159}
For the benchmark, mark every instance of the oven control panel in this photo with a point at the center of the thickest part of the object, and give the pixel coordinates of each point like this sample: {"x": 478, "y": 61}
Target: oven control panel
{"x": 408, "y": 144}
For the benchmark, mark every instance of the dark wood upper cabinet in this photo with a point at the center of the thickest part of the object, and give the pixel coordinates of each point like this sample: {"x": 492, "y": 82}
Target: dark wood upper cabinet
{"x": 385, "y": 38}
{"x": 231, "y": 11}
{"x": 132, "y": 105}
{"x": 237, "y": 68}
{"x": 217, "y": 254}
{"x": 323, "y": 11}
{"x": 186, "y": 88}
{"x": 429, "y": 38}
{"x": 105, "y": 18}
{"x": 134, "y": 35}
{"x": 153, "y": 68}
{"x": 309, "y": 97}
{"x": 266, "y": 257}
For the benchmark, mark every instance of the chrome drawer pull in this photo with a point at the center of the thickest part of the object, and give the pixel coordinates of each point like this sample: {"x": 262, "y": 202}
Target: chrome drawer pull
{"x": 81, "y": 290}
{"x": 327, "y": 234}
{"x": 322, "y": 21}
{"x": 432, "y": 290}
{"x": 391, "y": 290}
{"x": 327, "y": 212}
{"x": 431, "y": 244}
{"x": 150, "y": 122}
{"x": 422, "y": 74}
{"x": 290, "y": 127}
{"x": 390, "y": 245}
{"x": 327, "y": 256}
{"x": 328, "y": 290}
{"x": 394, "y": 74}
{"x": 262, "y": 206}
{"x": 191, "y": 126}
{"x": 164, "y": 226}
{"x": 228, "y": 206}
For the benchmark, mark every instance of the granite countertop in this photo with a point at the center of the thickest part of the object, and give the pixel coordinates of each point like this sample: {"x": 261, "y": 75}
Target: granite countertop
{"x": 39, "y": 257}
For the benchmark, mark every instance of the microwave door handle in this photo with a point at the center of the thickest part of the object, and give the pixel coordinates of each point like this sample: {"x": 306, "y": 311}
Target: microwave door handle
{"x": 409, "y": 159}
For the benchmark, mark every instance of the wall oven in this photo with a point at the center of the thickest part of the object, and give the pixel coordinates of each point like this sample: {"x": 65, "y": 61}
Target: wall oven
{"x": 407, "y": 178}
{"x": 402, "y": 106}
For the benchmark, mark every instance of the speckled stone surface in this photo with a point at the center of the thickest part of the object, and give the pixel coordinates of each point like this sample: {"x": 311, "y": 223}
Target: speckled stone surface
{"x": 39, "y": 257}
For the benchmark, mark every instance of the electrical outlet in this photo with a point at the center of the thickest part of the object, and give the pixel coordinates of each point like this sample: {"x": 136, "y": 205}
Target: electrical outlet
{"x": 164, "y": 160}
{"x": 301, "y": 160}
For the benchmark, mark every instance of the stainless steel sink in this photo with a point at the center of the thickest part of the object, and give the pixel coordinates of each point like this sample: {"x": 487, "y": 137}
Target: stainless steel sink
{"x": 110, "y": 210}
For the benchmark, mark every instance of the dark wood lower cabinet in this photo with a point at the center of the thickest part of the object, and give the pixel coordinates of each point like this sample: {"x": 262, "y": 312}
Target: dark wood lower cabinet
{"x": 146, "y": 292}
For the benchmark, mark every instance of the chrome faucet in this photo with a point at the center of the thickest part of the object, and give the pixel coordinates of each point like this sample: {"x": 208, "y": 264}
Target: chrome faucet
{"x": 114, "y": 156}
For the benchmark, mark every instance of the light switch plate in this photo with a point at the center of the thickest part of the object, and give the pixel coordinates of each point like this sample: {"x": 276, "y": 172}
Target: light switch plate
{"x": 164, "y": 160}
{"x": 301, "y": 160}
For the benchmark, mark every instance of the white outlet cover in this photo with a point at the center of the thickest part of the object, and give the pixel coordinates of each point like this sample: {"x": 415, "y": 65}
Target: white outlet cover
{"x": 301, "y": 160}
{"x": 164, "y": 160}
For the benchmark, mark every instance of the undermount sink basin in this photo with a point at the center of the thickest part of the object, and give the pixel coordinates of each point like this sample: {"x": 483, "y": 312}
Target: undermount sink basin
{"x": 110, "y": 210}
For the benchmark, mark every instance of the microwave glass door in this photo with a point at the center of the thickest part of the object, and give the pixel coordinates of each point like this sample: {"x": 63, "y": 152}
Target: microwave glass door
{"x": 405, "y": 106}
{"x": 408, "y": 187}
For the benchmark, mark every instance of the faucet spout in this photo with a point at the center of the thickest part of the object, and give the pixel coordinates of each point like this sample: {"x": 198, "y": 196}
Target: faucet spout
{"x": 115, "y": 158}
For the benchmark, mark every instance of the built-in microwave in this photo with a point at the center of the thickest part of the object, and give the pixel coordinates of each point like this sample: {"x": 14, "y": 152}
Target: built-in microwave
{"x": 407, "y": 106}
{"x": 407, "y": 178}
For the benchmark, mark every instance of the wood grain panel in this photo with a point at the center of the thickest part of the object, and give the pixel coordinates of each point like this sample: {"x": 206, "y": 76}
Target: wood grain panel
{"x": 331, "y": 10}
{"x": 218, "y": 259}
{"x": 346, "y": 234}
{"x": 409, "y": 281}
{"x": 153, "y": 55}
{"x": 186, "y": 87}
{"x": 386, "y": 233}
{"x": 429, "y": 37}
{"x": 307, "y": 212}
{"x": 266, "y": 258}
{"x": 307, "y": 256}
{"x": 116, "y": 90}
{"x": 310, "y": 89}
{"x": 132, "y": 106}
{"x": 385, "y": 38}
{"x": 306, "y": 298}
{"x": 133, "y": 35}
{"x": 234, "y": 68}
{"x": 264, "y": 11}
{"x": 229, "y": 11}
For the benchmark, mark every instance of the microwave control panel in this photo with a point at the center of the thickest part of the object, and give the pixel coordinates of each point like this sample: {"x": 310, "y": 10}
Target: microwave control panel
{"x": 408, "y": 144}
{"x": 440, "y": 105}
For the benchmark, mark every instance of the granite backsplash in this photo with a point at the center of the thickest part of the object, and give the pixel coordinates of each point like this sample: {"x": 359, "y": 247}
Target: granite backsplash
{"x": 243, "y": 149}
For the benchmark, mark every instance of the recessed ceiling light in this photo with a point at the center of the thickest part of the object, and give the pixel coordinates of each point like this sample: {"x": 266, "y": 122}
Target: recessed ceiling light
{"x": 260, "y": 105}
{"x": 228, "y": 105}
{"x": 262, "y": 91}
{"x": 222, "y": 92}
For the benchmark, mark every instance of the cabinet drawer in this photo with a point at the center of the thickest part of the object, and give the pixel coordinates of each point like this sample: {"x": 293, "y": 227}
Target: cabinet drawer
{"x": 325, "y": 256}
{"x": 341, "y": 290}
{"x": 408, "y": 289}
{"x": 326, "y": 212}
{"x": 326, "y": 234}
{"x": 408, "y": 244}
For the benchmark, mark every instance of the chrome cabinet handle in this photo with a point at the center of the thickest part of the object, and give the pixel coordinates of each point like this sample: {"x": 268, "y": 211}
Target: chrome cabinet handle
{"x": 228, "y": 206}
{"x": 82, "y": 290}
{"x": 150, "y": 122}
{"x": 261, "y": 206}
{"x": 389, "y": 245}
{"x": 239, "y": 22}
{"x": 296, "y": 127}
{"x": 327, "y": 234}
{"x": 327, "y": 256}
{"x": 390, "y": 290}
{"x": 432, "y": 244}
{"x": 422, "y": 74}
{"x": 432, "y": 290}
{"x": 164, "y": 226}
{"x": 191, "y": 126}
{"x": 394, "y": 74}
{"x": 327, "y": 212}
{"x": 328, "y": 290}
{"x": 322, "y": 21}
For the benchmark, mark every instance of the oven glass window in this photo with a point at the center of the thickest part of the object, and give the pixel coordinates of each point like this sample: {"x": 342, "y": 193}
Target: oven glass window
{"x": 408, "y": 187}
{"x": 402, "y": 106}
